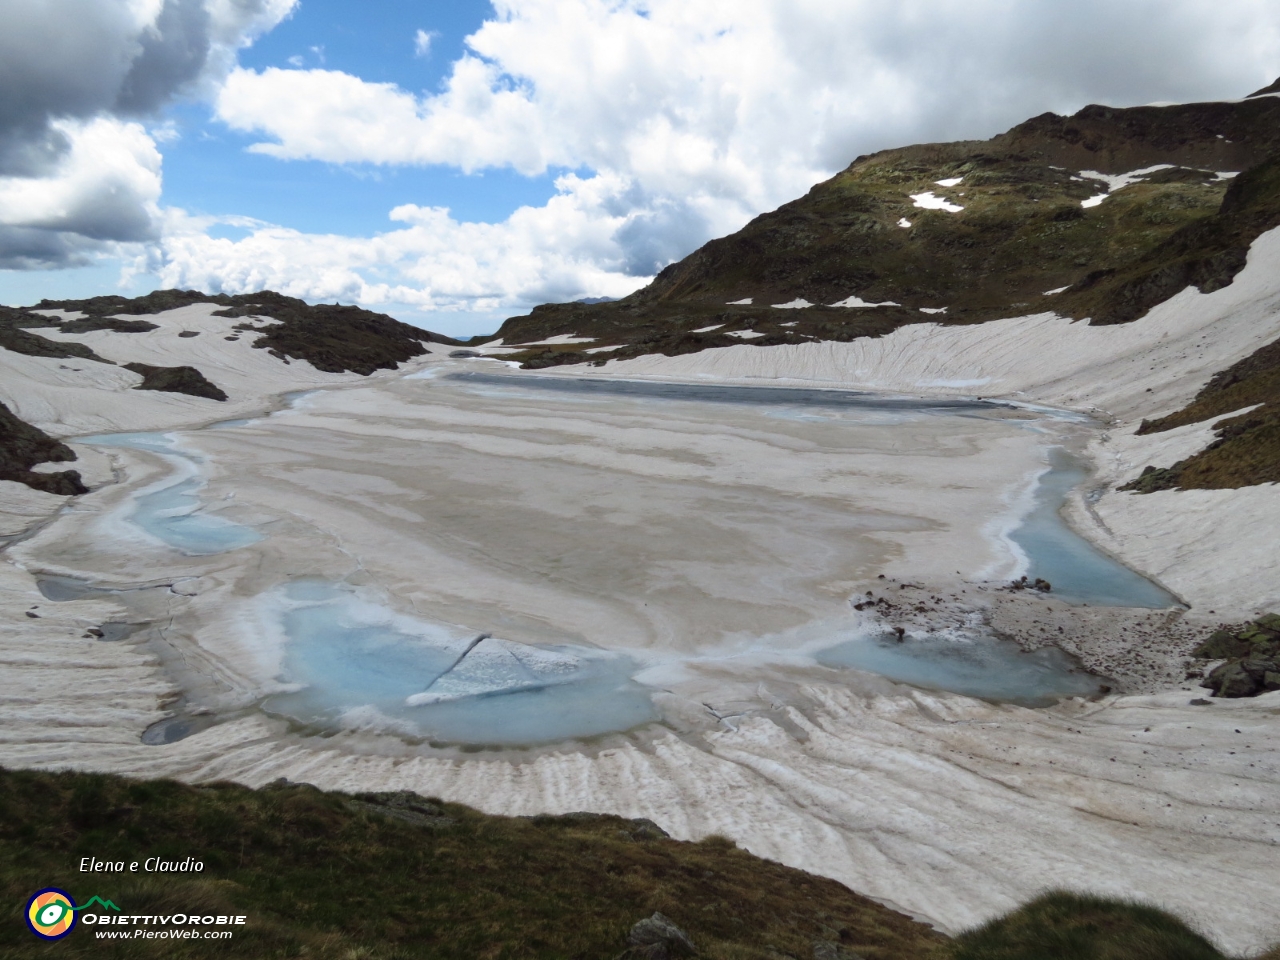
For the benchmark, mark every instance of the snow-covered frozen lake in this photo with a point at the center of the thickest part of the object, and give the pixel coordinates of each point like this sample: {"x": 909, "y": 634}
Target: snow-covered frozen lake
{"x": 348, "y": 658}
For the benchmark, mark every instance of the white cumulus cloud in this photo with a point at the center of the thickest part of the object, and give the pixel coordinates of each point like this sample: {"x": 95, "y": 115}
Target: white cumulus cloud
{"x": 428, "y": 261}
{"x": 104, "y": 188}
{"x": 694, "y": 115}
{"x": 78, "y": 173}
{"x": 682, "y": 119}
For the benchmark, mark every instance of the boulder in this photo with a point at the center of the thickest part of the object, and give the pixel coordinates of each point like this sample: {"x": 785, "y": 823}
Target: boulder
{"x": 657, "y": 938}
{"x": 646, "y": 829}
{"x": 1232, "y": 680}
{"x": 1258, "y": 668}
{"x": 1270, "y": 621}
{"x": 1223, "y": 645}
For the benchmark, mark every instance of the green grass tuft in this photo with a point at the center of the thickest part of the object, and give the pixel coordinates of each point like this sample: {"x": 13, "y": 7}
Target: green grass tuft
{"x": 1060, "y": 925}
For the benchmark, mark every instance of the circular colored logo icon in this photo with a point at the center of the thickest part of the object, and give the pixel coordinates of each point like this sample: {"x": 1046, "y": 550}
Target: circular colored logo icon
{"x": 51, "y": 914}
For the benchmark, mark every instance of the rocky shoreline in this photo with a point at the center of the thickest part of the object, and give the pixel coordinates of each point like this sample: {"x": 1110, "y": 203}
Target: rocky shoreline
{"x": 1136, "y": 650}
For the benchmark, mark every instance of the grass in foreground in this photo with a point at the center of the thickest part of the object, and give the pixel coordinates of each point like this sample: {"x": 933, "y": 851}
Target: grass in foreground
{"x": 397, "y": 876}
{"x": 327, "y": 875}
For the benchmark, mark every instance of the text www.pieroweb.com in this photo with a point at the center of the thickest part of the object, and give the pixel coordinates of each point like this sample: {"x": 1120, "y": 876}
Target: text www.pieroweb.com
{"x": 174, "y": 927}
{"x": 175, "y": 934}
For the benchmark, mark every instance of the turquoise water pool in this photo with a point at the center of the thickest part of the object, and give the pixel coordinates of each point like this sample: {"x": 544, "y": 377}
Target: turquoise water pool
{"x": 172, "y": 513}
{"x": 360, "y": 666}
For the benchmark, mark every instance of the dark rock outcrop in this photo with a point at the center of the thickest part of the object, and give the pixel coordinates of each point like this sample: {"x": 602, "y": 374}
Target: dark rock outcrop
{"x": 657, "y": 938}
{"x": 114, "y": 324}
{"x": 16, "y": 335}
{"x": 332, "y": 337}
{"x": 405, "y": 806}
{"x": 1252, "y": 653}
{"x": 186, "y": 380}
{"x": 22, "y": 446}
{"x": 156, "y": 302}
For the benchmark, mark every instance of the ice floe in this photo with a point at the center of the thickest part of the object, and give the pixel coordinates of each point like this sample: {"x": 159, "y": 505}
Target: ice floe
{"x": 493, "y": 667}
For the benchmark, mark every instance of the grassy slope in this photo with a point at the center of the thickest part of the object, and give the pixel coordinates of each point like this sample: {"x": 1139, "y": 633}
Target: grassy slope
{"x": 1247, "y": 450}
{"x": 327, "y": 875}
{"x": 1022, "y": 232}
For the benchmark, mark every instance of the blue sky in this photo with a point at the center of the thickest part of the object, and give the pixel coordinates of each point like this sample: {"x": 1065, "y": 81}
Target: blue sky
{"x": 209, "y": 171}
{"x": 454, "y": 163}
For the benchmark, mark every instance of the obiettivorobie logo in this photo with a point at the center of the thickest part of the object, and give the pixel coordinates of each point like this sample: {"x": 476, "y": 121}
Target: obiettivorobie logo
{"x": 51, "y": 913}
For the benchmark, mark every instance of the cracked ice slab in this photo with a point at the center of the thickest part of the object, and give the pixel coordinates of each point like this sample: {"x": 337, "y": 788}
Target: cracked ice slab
{"x": 495, "y": 667}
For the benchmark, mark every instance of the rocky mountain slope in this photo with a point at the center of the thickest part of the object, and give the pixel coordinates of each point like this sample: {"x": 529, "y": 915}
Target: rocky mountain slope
{"x": 1098, "y": 217}
{"x": 978, "y": 229}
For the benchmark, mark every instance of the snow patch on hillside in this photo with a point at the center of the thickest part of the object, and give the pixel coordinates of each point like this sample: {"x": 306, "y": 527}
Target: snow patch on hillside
{"x": 1117, "y": 181}
{"x": 856, "y": 301}
{"x": 928, "y": 201}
